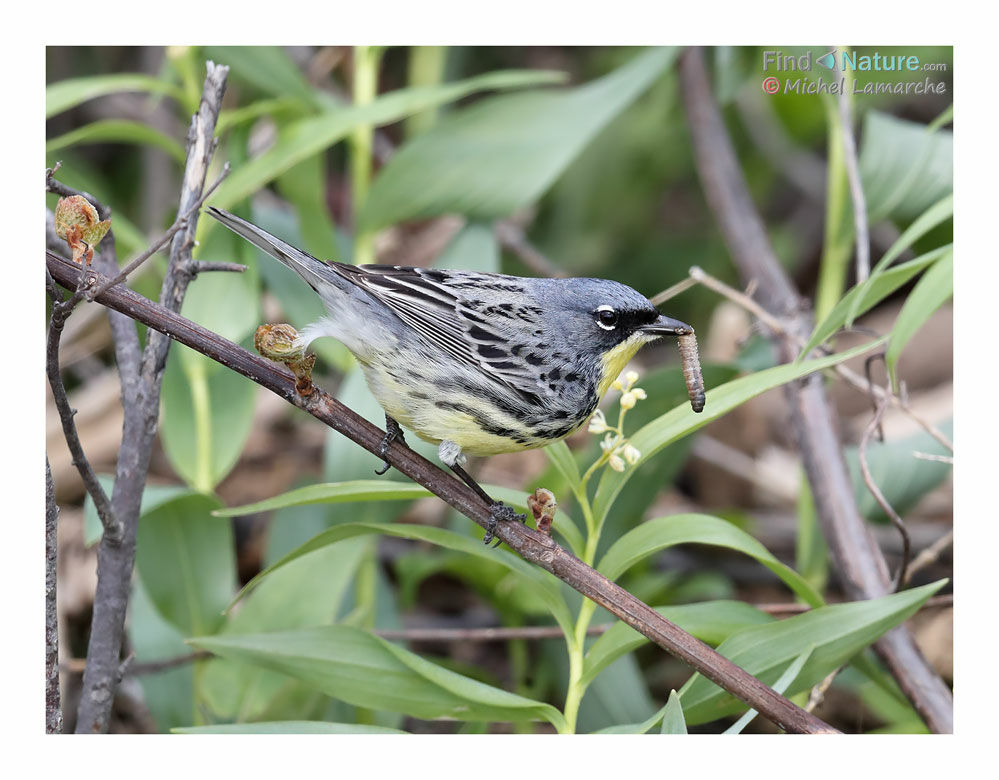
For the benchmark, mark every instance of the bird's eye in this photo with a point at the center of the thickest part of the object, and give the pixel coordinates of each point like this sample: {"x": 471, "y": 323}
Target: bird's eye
{"x": 606, "y": 317}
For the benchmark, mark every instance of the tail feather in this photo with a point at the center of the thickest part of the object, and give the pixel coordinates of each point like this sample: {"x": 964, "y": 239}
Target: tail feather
{"x": 313, "y": 271}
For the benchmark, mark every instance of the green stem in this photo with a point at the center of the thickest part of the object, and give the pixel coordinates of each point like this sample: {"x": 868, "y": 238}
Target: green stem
{"x": 426, "y": 69}
{"x": 366, "y": 61}
{"x": 201, "y": 402}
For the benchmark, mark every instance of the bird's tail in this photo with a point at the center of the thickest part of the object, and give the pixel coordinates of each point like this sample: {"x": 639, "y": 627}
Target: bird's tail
{"x": 314, "y": 272}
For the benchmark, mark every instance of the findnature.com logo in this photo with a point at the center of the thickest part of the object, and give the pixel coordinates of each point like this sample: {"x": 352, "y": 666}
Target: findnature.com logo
{"x": 849, "y": 61}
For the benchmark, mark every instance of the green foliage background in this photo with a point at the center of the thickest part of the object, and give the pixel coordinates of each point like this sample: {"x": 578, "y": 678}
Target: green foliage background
{"x": 590, "y": 148}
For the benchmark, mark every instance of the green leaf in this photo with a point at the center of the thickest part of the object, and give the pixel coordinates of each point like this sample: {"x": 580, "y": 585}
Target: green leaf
{"x": 780, "y": 686}
{"x": 545, "y": 585}
{"x": 619, "y": 695}
{"x": 186, "y": 559}
{"x": 169, "y": 694}
{"x": 474, "y": 248}
{"x": 207, "y": 416}
{"x": 501, "y": 154}
{"x": 304, "y": 187}
{"x": 333, "y": 493}
{"x": 880, "y": 288}
{"x": 71, "y": 92}
{"x": 366, "y": 671}
{"x": 288, "y": 727}
{"x": 671, "y": 715}
{"x": 152, "y": 497}
{"x": 561, "y": 458}
{"x": 268, "y": 68}
{"x": 902, "y": 477}
{"x": 306, "y": 137}
{"x": 118, "y": 131}
{"x": 709, "y": 621}
{"x": 673, "y": 720}
{"x": 935, "y": 215}
{"x": 904, "y": 166}
{"x": 838, "y": 632}
{"x": 930, "y": 293}
{"x": 307, "y": 592}
{"x": 663, "y": 532}
{"x": 682, "y": 421}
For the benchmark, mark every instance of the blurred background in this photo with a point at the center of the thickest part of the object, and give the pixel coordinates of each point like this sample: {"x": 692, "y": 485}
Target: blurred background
{"x": 531, "y": 161}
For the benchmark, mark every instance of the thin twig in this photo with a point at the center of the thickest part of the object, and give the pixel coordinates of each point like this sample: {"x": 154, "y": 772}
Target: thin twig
{"x": 511, "y": 235}
{"x": 699, "y": 275}
{"x": 109, "y": 520}
{"x": 181, "y": 223}
{"x": 530, "y": 544}
{"x": 818, "y": 694}
{"x": 672, "y": 292}
{"x": 141, "y": 373}
{"x": 204, "y": 266}
{"x": 865, "y": 470}
{"x": 929, "y": 556}
{"x": 856, "y": 186}
{"x": 859, "y": 562}
{"x": 53, "y": 706}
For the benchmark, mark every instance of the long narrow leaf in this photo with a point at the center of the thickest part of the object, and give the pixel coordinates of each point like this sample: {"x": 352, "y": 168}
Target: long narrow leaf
{"x": 545, "y": 586}
{"x": 930, "y": 293}
{"x": 118, "y": 131}
{"x": 682, "y": 421}
{"x": 366, "y": 671}
{"x": 838, "y": 632}
{"x": 64, "y": 95}
{"x": 780, "y": 686}
{"x": 883, "y": 286}
{"x": 662, "y": 532}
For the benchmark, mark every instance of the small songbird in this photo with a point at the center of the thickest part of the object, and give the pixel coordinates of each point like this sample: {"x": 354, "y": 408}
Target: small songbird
{"x": 476, "y": 363}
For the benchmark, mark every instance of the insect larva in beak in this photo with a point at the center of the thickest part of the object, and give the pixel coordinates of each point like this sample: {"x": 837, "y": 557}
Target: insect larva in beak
{"x": 692, "y": 370}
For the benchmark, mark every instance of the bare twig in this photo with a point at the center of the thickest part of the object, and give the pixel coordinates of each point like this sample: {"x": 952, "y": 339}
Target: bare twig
{"x": 530, "y": 544}
{"x": 204, "y": 266}
{"x": 511, "y": 235}
{"x": 856, "y": 186}
{"x": 935, "y": 458}
{"x": 109, "y": 520}
{"x": 141, "y": 374}
{"x": 671, "y": 292}
{"x": 743, "y": 299}
{"x": 53, "y": 706}
{"x": 181, "y": 223}
{"x": 929, "y": 556}
{"x": 860, "y": 564}
{"x": 818, "y": 694}
{"x": 865, "y": 470}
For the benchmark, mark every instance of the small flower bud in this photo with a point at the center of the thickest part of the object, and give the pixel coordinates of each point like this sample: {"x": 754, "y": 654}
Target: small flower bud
{"x": 628, "y": 400}
{"x": 616, "y": 385}
{"x": 616, "y": 463}
{"x": 598, "y": 423}
{"x": 631, "y": 377}
{"x": 639, "y": 393}
{"x": 609, "y": 443}
{"x": 631, "y": 454}
{"x": 77, "y": 221}
{"x": 281, "y": 343}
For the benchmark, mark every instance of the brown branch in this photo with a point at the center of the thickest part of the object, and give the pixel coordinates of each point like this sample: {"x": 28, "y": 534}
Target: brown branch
{"x": 141, "y": 373}
{"x": 930, "y": 555}
{"x": 53, "y": 706}
{"x": 60, "y": 311}
{"x": 530, "y": 544}
{"x": 860, "y": 564}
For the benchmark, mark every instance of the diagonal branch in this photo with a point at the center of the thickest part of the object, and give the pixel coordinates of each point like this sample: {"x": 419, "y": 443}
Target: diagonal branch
{"x": 861, "y": 566}
{"x": 530, "y": 544}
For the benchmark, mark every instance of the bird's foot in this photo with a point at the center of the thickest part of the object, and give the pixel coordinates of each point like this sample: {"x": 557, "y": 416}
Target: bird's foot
{"x": 500, "y": 512}
{"x": 393, "y": 432}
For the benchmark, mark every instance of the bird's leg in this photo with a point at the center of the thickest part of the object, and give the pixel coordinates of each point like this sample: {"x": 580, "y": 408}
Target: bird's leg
{"x": 498, "y": 511}
{"x": 393, "y": 432}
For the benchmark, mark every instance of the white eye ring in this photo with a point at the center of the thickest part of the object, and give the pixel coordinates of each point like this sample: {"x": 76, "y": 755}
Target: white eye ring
{"x": 607, "y": 323}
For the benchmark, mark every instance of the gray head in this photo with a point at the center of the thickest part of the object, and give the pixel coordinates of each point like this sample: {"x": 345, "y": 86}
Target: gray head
{"x": 603, "y": 314}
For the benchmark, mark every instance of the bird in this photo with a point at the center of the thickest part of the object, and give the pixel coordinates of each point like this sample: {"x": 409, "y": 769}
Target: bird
{"x": 476, "y": 363}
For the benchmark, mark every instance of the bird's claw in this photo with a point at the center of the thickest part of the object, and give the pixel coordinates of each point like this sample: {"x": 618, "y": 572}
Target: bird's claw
{"x": 500, "y": 512}
{"x": 392, "y": 433}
